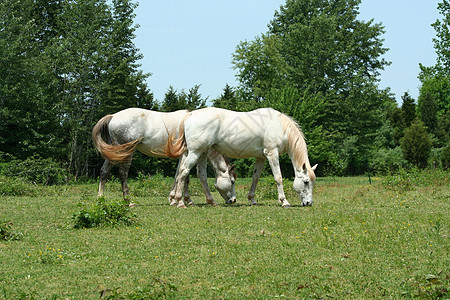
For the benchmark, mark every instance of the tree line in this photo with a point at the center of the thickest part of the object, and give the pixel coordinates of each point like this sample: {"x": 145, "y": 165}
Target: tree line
{"x": 64, "y": 64}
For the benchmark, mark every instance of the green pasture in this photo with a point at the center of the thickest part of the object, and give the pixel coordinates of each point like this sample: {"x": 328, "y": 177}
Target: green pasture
{"x": 386, "y": 239}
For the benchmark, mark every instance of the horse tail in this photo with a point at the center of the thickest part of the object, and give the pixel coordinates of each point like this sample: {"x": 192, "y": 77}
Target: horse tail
{"x": 114, "y": 153}
{"x": 175, "y": 147}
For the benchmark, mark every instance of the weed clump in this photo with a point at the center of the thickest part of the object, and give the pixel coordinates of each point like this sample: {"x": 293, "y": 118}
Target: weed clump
{"x": 7, "y": 234}
{"x": 101, "y": 213}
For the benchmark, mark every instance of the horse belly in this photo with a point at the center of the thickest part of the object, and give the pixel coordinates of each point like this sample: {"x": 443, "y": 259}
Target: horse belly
{"x": 245, "y": 149}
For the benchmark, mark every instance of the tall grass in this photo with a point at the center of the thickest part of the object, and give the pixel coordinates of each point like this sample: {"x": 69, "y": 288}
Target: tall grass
{"x": 358, "y": 241}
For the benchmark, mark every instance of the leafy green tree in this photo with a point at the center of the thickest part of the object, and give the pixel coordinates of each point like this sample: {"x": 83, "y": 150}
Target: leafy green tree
{"x": 434, "y": 98}
{"x": 321, "y": 48}
{"x": 416, "y": 144}
{"x": 28, "y": 101}
{"x": 63, "y": 65}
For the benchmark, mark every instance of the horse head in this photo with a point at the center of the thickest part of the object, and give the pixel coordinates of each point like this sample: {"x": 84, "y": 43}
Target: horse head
{"x": 225, "y": 184}
{"x": 303, "y": 184}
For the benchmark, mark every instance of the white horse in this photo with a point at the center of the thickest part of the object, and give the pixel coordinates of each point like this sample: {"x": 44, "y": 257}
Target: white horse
{"x": 117, "y": 137}
{"x": 263, "y": 133}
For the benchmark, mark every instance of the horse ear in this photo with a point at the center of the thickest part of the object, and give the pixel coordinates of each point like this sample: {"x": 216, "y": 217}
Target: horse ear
{"x": 304, "y": 167}
{"x": 314, "y": 168}
{"x": 232, "y": 167}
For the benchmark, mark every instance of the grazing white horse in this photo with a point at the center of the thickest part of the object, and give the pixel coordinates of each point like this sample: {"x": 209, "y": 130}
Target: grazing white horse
{"x": 117, "y": 137}
{"x": 263, "y": 133}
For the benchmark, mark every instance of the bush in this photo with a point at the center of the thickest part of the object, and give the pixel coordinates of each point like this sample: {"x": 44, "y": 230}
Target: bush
{"x": 387, "y": 161}
{"x": 100, "y": 214}
{"x": 445, "y": 157}
{"x": 35, "y": 168}
{"x": 407, "y": 180}
{"x": 16, "y": 187}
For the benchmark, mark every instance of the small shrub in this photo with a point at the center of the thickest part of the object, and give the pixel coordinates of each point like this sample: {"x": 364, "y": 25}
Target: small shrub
{"x": 7, "y": 234}
{"x": 100, "y": 214}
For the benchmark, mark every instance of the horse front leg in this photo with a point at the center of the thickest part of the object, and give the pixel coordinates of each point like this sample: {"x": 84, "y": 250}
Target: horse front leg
{"x": 186, "y": 164}
{"x": 203, "y": 177}
{"x": 172, "y": 193}
{"x": 172, "y": 200}
{"x": 259, "y": 166}
{"x": 273, "y": 158}
{"x": 186, "y": 196}
{"x": 104, "y": 172}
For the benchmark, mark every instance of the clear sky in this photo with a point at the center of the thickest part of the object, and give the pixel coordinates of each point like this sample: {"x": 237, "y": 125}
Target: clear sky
{"x": 186, "y": 43}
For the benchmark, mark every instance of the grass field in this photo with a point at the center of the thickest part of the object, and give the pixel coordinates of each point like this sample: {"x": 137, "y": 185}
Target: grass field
{"x": 384, "y": 240}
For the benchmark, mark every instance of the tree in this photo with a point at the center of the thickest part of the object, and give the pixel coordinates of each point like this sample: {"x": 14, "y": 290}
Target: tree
{"x": 63, "y": 65}
{"x": 408, "y": 109}
{"x": 320, "y": 48}
{"x": 28, "y": 95}
{"x": 434, "y": 98}
{"x": 227, "y": 100}
{"x": 174, "y": 100}
{"x": 194, "y": 98}
{"x": 416, "y": 144}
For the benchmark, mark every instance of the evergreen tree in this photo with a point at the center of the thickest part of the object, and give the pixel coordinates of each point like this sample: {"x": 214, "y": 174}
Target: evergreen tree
{"x": 227, "y": 100}
{"x": 416, "y": 144}
{"x": 408, "y": 109}
{"x": 428, "y": 112}
{"x": 194, "y": 99}
{"x": 172, "y": 101}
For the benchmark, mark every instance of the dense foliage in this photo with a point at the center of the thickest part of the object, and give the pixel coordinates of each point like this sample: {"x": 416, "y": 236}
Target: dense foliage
{"x": 64, "y": 64}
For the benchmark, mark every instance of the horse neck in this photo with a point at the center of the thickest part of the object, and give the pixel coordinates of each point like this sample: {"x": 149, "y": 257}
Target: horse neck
{"x": 218, "y": 162}
{"x": 297, "y": 149}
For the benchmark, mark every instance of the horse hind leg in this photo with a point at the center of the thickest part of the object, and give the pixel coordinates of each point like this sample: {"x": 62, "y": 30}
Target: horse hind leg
{"x": 259, "y": 166}
{"x": 123, "y": 176}
{"x": 104, "y": 172}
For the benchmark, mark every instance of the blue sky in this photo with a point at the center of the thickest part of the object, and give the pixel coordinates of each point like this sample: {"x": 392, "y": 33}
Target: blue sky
{"x": 185, "y": 43}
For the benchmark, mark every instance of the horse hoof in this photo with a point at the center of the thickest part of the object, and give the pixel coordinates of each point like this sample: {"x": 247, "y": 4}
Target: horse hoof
{"x": 190, "y": 203}
{"x": 132, "y": 204}
{"x": 287, "y": 206}
{"x": 181, "y": 205}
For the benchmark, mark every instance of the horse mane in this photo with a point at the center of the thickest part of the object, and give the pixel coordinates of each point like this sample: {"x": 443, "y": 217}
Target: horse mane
{"x": 114, "y": 153}
{"x": 296, "y": 144}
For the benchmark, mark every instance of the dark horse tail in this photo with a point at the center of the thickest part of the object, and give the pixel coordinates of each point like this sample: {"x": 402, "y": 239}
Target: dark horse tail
{"x": 102, "y": 142}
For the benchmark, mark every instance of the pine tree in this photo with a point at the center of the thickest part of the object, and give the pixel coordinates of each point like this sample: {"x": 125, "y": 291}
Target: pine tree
{"x": 416, "y": 144}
